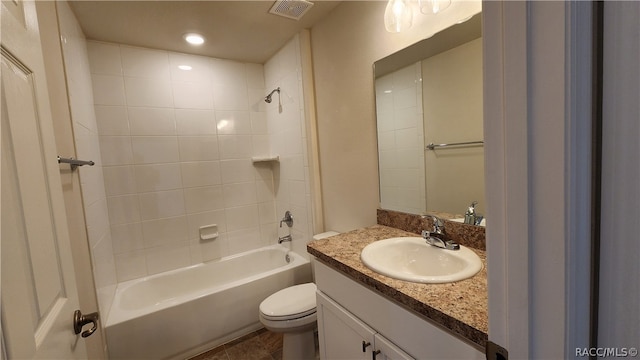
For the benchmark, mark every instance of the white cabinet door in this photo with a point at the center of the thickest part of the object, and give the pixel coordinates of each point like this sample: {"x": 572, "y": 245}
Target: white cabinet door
{"x": 341, "y": 335}
{"x": 386, "y": 350}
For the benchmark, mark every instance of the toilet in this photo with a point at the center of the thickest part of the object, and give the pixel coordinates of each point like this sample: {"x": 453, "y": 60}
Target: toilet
{"x": 292, "y": 312}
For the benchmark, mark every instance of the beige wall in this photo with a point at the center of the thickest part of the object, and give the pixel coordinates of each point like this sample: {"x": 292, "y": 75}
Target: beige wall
{"x": 344, "y": 47}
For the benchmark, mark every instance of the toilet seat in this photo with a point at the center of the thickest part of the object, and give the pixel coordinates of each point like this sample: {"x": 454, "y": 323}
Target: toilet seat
{"x": 291, "y": 303}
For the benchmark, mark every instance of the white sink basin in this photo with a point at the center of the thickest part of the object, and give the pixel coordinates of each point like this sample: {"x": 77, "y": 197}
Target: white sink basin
{"x": 412, "y": 259}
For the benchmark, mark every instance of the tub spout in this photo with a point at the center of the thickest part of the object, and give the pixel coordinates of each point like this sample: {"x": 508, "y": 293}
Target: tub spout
{"x": 284, "y": 238}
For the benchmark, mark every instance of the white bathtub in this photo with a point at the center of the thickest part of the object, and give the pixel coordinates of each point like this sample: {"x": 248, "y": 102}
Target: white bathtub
{"x": 180, "y": 313}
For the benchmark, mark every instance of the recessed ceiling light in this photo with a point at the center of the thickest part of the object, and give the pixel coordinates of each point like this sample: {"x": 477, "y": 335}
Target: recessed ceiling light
{"x": 184, "y": 67}
{"x": 194, "y": 39}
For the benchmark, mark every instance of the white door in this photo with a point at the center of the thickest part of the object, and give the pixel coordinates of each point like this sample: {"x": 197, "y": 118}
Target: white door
{"x": 38, "y": 284}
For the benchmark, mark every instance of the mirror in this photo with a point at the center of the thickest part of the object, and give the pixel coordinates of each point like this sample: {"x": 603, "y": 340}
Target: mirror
{"x": 429, "y": 123}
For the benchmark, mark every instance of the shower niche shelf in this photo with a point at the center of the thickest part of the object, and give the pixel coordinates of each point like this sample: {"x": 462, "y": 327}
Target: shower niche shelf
{"x": 265, "y": 159}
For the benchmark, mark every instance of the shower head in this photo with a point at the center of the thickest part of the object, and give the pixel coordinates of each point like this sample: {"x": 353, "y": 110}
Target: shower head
{"x": 267, "y": 99}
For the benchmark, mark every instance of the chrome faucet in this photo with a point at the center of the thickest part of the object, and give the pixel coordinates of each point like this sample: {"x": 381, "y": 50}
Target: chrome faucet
{"x": 287, "y": 219}
{"x": 284, "y": 238}
{"x": 436, "y": 237}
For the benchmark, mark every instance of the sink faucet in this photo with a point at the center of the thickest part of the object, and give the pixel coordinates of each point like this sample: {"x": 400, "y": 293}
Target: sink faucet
{"x": 436, "y": 237}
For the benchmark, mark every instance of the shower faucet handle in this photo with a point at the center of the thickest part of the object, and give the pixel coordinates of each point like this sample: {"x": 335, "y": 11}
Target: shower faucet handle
{"x": 287, "y": 219}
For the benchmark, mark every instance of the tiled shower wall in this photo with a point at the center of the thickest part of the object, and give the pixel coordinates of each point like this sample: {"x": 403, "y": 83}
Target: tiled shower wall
{"x": 176, "y": 153}
{"x": 288, "y": 135}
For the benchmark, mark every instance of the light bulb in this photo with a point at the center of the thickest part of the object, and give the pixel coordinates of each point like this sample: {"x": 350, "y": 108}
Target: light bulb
{"x": 433, "y": 6}
{"x": 398, "y": 16}
{"x": 194, "y": 39}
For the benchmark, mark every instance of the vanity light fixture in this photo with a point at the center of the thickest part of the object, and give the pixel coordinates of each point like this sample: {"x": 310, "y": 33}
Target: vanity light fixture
{"x": 194, "y": 39}
{"x": 398, "y": 16}
{"x": 433, "y": 6}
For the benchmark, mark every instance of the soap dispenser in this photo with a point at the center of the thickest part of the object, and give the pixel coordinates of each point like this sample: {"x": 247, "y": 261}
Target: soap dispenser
{"x": 470, "y": 215}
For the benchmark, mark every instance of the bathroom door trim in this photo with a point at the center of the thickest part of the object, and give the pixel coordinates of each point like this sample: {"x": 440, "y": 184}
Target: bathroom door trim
{"x": 537, "y": 113}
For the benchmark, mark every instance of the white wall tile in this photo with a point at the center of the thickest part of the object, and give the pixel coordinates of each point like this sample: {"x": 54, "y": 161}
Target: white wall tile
{"x": 104, "y": 263}
{"x": 195, "y": 221}
{"x": 244, "y": 240}
{"x": 404, "y": 78}
{"x": 259, "y": 123}
{"x": 164, "y": 231}
{"x": 233, "y": 122}
{"x": 195, "y": 122}
{"x": 192, "y": 95}
{"x": 255, "y": 99}
{"x": 154, "y": 149}
{"x": 239, "y": 194}
{"x": 148, "y": 92}
{"x": 161, "y": 204}
{"x": 140, "y": 62}
{"x": 130, "y": 266}
{"x": 242, "y": 217}
{"x": 97, "y": 218}
{"x": 228, "y": 73}
{"x": 198, "y": 148}
{"x": 167, "y": 258}
{"x": 123, "y": 209}
{"x": 255, "y": 76}
{"x": 407, "y": 117}
{"x": 200, "y": 70}
{"x": 180, "y": 168}
{"x": 127, "y": 238}
{"x": 116, "y": 150}
{"x": 267, "y": 212}
{"x": 112, "y": 120}
{"x": 405, "y": 98}
{"x": 265, "y": 190}
{"x": 157, "y": 177}
{"x": 108, "y": 90}
{"x": 92, "y": 182}
{"x": 235, "y": 146}
{"x": 234, "y": 171}
{"x": 151, "y": 121}
{"x": 119, "y": 180}
{"x": 297, "y": 195}
{"x": 200, "y": 173}
{"x": 260, "y": 144}
{"x": 203, "y": 251}
{"x": 234, "y": 98}
{"x": 104, "y": 59}
{"x": 203, "y": 199}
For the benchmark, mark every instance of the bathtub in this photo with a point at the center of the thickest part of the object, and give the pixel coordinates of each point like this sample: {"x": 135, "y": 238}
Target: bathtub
{"x": 183, "y": 312}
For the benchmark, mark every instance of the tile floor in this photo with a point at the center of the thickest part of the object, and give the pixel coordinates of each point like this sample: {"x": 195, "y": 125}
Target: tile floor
{"x": 259, "y": 345}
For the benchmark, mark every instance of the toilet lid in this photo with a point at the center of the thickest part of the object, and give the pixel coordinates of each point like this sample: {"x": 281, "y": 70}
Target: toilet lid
{"x": 292, "y": 302}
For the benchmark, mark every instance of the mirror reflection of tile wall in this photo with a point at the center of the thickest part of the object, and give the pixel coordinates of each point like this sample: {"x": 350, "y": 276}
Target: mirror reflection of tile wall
{"x": 401, "y": 140}
{"x": 436, "y": 100}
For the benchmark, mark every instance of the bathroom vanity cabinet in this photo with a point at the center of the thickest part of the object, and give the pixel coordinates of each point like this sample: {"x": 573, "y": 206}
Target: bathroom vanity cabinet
{"x": 355, "y": 322}
{"x": 343, "y": 336}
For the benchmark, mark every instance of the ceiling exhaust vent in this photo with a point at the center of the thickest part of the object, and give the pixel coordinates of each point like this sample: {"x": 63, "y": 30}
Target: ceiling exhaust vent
{"x": 292, "y": 9}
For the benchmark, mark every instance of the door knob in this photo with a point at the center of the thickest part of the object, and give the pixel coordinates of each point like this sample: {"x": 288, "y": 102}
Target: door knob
{"x": 80, "y": 320}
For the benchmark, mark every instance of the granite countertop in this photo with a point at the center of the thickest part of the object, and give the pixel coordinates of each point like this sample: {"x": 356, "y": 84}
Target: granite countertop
{"x": 460, "y": 307}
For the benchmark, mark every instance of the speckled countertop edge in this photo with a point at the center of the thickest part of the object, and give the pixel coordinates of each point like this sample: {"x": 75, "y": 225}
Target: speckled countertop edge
{"x": 460, "y": 307}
